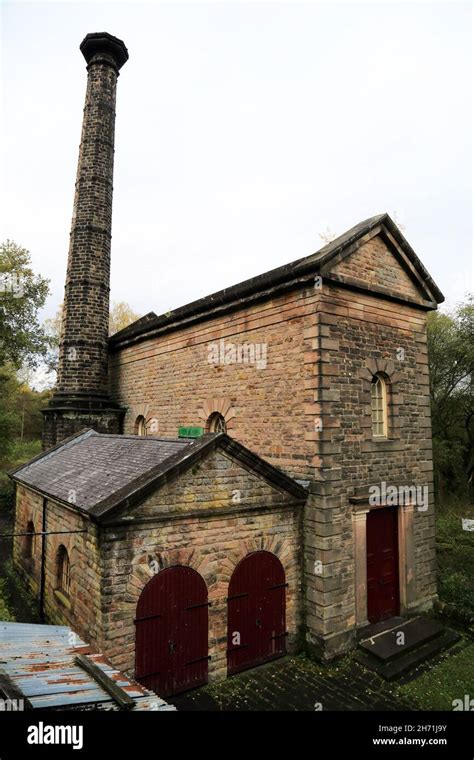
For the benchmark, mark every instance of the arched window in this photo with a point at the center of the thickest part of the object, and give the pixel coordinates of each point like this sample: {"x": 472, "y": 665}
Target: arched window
{"x": 29, "y": 547}
{"x": 140, "y": 425}
{"x": 63, "y": 570}
{"x": 379, "y": 407}
{"x": 216, "y": 423}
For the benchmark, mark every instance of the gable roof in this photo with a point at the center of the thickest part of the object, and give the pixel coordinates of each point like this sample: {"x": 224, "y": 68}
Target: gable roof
{"x": 282, "y": 278}
{"x": 95, "y": 472}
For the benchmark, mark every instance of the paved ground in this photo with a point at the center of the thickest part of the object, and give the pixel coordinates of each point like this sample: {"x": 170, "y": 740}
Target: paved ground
{"x": 296, "y": 684}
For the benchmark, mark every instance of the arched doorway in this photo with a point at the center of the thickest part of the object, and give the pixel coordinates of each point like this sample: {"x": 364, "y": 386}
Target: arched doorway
{"x": 171, "y": 639}
{"x": 256, "y": 612}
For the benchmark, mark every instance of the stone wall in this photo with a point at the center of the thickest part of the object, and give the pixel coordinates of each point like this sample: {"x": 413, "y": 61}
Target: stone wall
{"x": 170, "y": 379}
{"x": 81, "y": 608}
{"x": 209, "y": 518}
{"x": 357, "y": 337}
{"x": 208, "y": 531}
{"x": 308, "y": 411}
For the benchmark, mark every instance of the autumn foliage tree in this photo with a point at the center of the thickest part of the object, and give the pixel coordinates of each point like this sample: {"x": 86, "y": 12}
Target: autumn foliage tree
{"x": 121, "y": 315}
{"x": 451, "y": 359}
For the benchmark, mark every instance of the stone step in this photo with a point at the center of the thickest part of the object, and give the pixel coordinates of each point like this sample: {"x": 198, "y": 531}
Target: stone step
{"x": 372, "y": 629}
{"x": 395, "y": 667}
{"x": 388, "y": 645}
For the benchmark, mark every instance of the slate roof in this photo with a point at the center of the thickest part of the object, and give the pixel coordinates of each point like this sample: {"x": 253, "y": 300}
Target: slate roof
{"x": 95, "y": 473}
{"x": 311, "y": 264}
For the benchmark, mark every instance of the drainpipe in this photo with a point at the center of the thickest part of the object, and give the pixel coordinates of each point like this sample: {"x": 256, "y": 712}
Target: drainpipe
{"x": 43, "y": 562}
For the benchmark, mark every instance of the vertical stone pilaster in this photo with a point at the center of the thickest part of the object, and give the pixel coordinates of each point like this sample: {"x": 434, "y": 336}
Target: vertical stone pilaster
{"x": 406, "y": 550}
{"x": 359, "y": 524}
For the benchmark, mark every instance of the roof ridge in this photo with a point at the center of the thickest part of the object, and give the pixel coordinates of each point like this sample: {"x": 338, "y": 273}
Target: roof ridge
{"x": 273, "y": 278}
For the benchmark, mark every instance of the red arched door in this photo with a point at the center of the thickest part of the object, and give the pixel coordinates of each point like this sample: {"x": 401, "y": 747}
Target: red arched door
{"x": 171, "y": 643}
{"x": 256, "y": 612}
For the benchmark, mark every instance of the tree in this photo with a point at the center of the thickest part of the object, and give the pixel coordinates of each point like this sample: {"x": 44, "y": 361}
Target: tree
{"x": 451, "y": 359}
{"x": 9, "y": 417}
{"x": 121, "y": 315}
{"x": 327, "y": 236}
{"x": 22, "y": 294}
{"x": 28, "y": 405}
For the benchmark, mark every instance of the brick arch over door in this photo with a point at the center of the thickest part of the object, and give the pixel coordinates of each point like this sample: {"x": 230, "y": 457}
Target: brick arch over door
{"x": 171, "y": 641}
{"x": 256, "y": 612}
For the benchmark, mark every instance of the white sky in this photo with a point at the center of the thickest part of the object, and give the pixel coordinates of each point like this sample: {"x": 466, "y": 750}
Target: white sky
{"x": 243, "y": 131}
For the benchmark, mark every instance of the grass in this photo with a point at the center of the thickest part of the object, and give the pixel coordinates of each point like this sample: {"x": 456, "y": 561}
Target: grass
{"x": 449, "y": 679}
{"x": 455, "y": 558}
{"x": 5, "y": 611}
{"x": 21, "y": 603}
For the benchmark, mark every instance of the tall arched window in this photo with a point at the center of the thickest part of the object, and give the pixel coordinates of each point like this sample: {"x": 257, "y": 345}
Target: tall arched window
{"x": 29, "y": 548}
{"x": 63, "y": 570}
{"x": 216, "y": 423}
{"x": 140, "y": 425}
{"x": 379, "y": 407}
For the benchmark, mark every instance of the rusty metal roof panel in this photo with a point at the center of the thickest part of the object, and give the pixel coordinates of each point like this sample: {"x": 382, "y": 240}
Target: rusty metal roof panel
{"x": 40, "y": 661}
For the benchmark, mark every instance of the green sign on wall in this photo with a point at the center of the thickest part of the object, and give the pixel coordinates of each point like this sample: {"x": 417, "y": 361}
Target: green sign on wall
{"x": 190, "y": 432}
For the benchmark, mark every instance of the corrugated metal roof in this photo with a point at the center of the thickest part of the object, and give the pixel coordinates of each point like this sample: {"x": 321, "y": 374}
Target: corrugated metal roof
{"x": 39, "y": 661}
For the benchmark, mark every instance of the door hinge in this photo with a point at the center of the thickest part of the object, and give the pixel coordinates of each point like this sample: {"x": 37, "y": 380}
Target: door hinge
{"x": 237, "y": 596}
{"x": 147, "y": 617}
{"x": 199, "y": 659}
{"x": 196, "y": 606}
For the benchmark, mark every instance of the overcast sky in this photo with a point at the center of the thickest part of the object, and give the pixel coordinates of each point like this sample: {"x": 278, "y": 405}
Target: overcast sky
{"x": 244, "y": 130}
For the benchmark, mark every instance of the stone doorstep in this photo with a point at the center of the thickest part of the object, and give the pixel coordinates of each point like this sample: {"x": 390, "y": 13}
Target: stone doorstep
{"x": 384, "y": 645}
{"x": 372, "y": 629}
{"x": 409, "y": 660}
{"x": 424, "y": 639}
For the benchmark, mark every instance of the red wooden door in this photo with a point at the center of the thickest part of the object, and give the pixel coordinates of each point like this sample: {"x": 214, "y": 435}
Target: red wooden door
{"x": 383, "y": 599}
{"x": 171, "y": 644}
{"x": 256, "y": 612}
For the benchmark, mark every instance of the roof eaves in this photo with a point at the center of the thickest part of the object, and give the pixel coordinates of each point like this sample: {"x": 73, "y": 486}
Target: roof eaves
{"x": 272, "y": 279}
{"x": 64, "y": 444}
{"x": 155, "y": 478}
{"x": 247, "y": 287}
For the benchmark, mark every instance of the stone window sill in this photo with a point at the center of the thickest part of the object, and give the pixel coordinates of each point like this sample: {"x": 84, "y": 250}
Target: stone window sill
{"x": 62, "y": 598}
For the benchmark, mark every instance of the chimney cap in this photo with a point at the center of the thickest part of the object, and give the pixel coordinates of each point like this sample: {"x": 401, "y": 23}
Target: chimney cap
{"x": 103, "y": 42}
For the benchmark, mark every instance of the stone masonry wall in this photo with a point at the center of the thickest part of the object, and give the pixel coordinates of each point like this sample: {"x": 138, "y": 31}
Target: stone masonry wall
{"x": 323, "y": 347}
{"x": 208, "y": 531}
{"x": 171, "y": 380}
{"x": 81, "y": 609}
{"x": 358, "y": 336}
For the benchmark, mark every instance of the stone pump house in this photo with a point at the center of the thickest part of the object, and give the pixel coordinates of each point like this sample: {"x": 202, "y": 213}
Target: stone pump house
{"x": 178, "y": 558}
{"x": 280, "y": 430}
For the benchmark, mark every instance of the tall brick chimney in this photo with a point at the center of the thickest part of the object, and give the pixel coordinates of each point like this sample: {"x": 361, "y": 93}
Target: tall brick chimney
{"x": 81, "y": 398}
